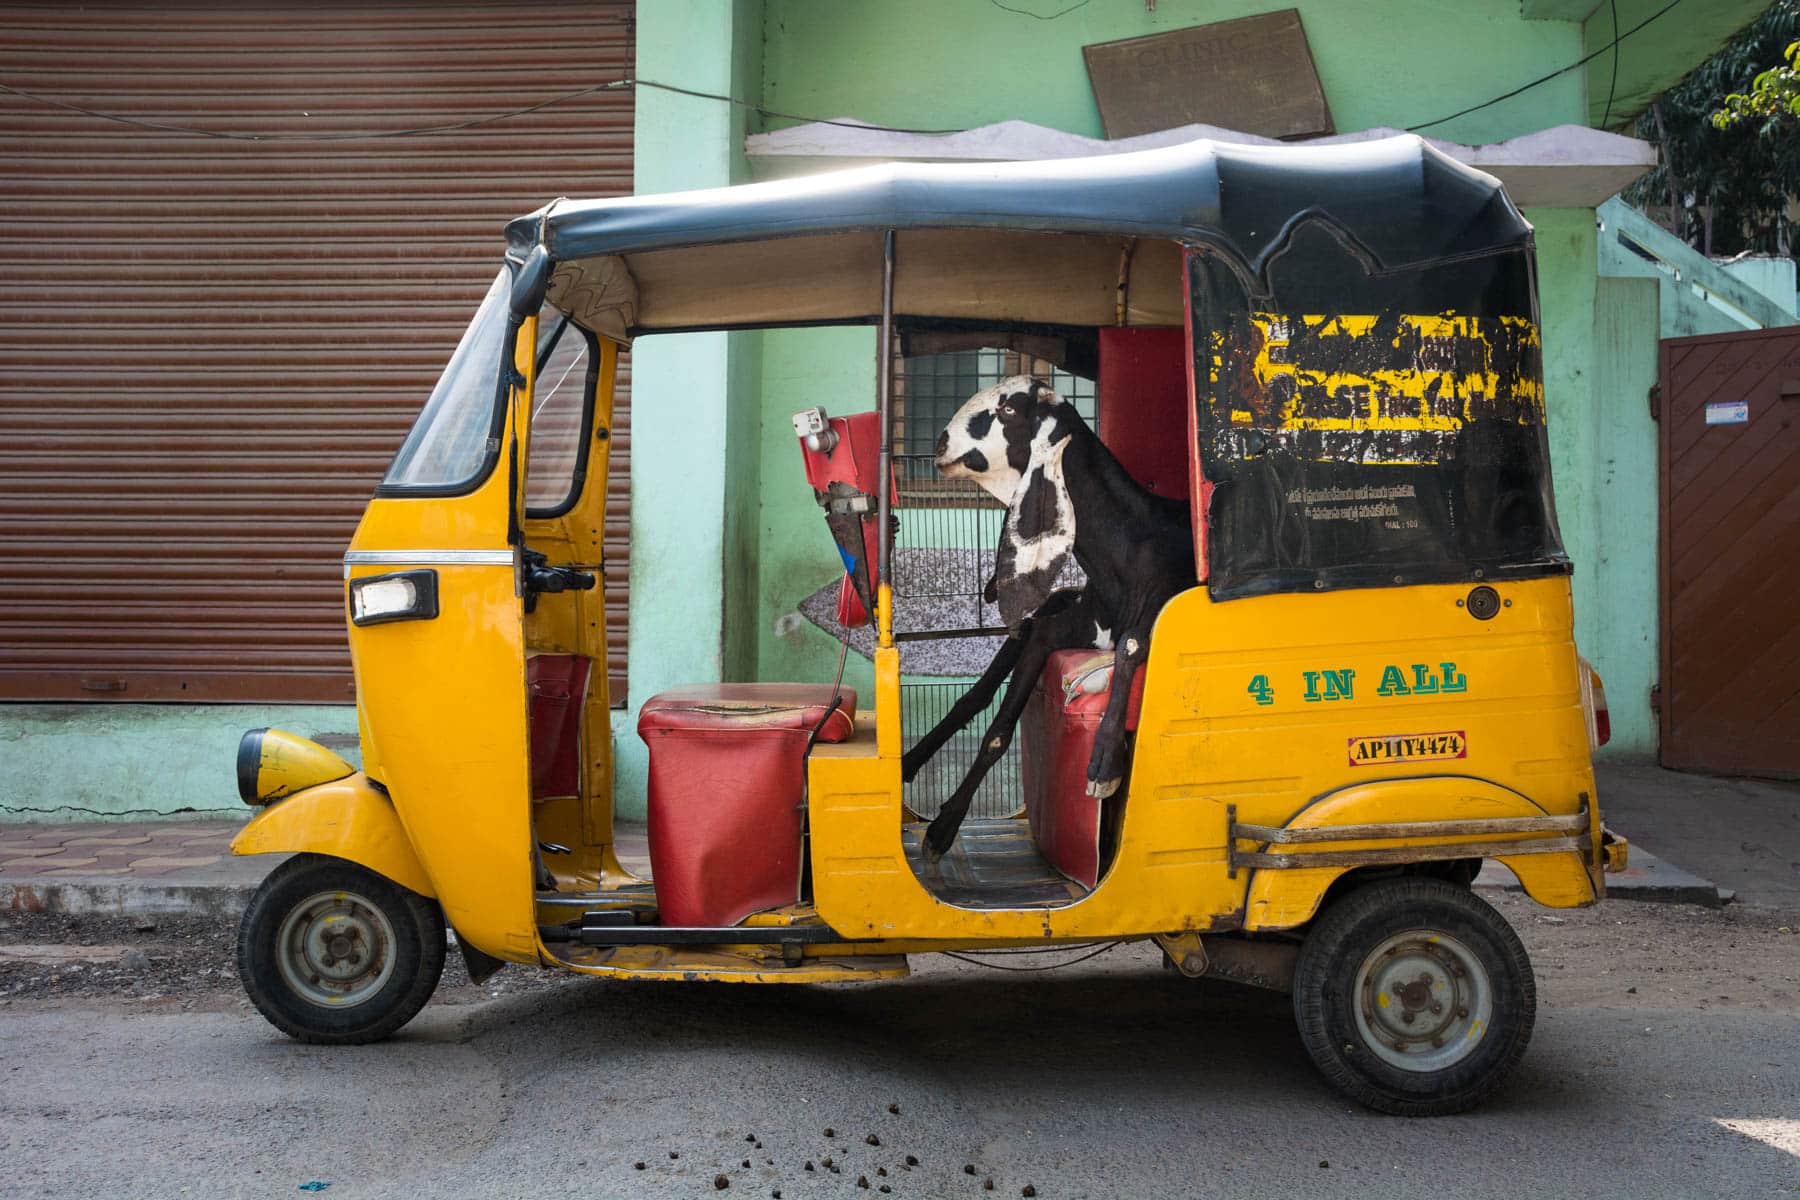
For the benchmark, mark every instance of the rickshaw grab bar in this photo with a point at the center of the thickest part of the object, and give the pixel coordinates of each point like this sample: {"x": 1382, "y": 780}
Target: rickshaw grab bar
{"x": 1577, "y": 823}
{"x": 1576, "y": 827}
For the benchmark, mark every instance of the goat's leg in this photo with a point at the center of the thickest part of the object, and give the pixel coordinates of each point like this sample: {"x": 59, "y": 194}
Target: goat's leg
{"x": 994, "y": 742}
{"x": 1070, "y": 625}
{"x": 1106, "y": 765}
{"x": 969, "y": 706}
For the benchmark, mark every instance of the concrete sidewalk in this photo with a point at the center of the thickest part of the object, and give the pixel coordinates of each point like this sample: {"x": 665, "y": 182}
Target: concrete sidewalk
{"x": 1730, "y": 836}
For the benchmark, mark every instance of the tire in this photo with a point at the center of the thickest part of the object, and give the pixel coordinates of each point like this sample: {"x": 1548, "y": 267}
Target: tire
{"x": 1414, "y": 997}
{"x": 334, "y": 954}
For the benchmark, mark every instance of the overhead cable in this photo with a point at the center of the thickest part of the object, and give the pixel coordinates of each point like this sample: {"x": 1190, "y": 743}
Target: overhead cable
{"x": 1580, "y": 62}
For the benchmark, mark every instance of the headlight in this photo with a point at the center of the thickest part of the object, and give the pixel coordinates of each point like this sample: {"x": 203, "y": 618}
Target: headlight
{"x": 401, "y": 596}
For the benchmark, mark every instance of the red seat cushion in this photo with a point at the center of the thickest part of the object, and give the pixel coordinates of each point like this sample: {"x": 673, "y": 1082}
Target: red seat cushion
{"x": 745, "y": 706}
{"x": 557, "y": 684}
{"x": 727, "y": 775}
{"x": 1058, "y": 739}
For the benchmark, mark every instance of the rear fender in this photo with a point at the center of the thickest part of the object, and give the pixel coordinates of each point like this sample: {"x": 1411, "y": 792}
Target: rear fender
{"x": 1284, "y": 898}
{"x": 345, "y": 819}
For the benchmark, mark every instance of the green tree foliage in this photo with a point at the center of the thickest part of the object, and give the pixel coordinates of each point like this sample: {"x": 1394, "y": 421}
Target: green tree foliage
{"x": 1725, "y": 186}
{"x": 1773, "y": 101}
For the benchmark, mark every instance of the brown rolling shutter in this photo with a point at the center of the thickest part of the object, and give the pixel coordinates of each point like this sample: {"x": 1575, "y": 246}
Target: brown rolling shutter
{"x": 210, "y": 348}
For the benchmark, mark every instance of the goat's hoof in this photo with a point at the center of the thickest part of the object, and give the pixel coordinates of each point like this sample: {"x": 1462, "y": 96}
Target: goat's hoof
{"x": 1100, "y": 789}
{"x": 933, "y": 856}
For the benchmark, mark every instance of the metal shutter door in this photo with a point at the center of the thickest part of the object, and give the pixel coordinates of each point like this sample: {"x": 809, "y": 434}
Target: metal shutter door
{"x": 211, "y": 347}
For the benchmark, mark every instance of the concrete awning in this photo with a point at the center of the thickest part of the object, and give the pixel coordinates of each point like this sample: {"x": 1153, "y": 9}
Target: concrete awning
{"x": 1568, "y": 166}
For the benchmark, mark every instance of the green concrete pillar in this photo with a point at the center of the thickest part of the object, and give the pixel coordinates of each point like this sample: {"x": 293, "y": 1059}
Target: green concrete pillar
{"x": 1599, "y": 361}
{"x": 693, "y": 562}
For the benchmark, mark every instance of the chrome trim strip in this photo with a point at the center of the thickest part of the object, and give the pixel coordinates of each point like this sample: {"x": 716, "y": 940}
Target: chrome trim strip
{"x": 427, "y": 557}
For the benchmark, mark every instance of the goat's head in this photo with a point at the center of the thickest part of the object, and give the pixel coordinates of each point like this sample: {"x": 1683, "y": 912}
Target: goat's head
{"x": 990, "y": 438}
{"x": 1010, "y": 439}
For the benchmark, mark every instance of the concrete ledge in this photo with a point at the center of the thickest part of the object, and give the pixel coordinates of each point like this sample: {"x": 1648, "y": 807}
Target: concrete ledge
{"x": 125, "y": 898}
{"x": 1647, "y": 878}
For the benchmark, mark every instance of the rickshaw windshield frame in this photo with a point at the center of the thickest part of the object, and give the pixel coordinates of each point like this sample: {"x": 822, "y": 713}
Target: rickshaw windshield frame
{"x": 451, "y": 449}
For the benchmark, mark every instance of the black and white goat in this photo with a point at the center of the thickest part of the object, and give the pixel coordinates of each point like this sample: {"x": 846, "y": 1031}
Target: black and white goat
{"x": 1065, "y": 494}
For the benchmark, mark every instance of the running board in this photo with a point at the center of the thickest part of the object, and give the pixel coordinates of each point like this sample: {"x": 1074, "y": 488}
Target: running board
{"x": 599, "y": 929}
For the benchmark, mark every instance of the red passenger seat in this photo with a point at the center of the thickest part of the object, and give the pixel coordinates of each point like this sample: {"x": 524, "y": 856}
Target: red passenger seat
{"x": 727, "y": 776}
{"x": 1058, "y": 737}
{"x": 557, "y": 684}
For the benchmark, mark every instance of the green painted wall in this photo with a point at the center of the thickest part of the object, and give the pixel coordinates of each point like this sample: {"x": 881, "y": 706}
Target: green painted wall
{"x": 936, "y": 64}
{"x": 834, "y": 368}
{"x": 69, "y": 761}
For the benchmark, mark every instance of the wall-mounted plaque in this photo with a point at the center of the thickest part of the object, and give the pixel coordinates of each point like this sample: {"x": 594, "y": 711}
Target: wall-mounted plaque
{"x": 1254, "y": 74}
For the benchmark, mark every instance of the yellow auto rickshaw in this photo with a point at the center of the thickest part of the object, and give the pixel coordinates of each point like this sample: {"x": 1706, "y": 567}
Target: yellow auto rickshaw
{"x": 1370, "y": 688}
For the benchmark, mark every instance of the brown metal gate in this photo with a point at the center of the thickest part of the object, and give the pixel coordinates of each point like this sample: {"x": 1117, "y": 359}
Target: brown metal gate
{"x": 211, "y": 346}
{"x": 1730, "y": 468}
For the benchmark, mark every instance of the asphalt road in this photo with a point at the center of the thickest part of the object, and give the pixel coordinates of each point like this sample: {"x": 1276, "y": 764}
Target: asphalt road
{"x": 1112, "y": 1078}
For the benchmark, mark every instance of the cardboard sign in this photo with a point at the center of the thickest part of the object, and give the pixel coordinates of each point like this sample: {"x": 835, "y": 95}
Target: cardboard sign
{"x": 1254, "y": 74}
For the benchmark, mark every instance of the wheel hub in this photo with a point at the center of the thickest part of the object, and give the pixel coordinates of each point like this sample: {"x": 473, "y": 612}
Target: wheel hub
{"x": 335, "y": 949}
{"x": 1423, "y": 1001}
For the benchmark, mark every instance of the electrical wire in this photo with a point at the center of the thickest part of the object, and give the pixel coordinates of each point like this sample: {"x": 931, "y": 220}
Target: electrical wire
{"x": 455, "y": 126}
{"x": 976, "y": 962}
{"x": 1025, "y": 12}
{"x": 1580, "y": 62}
{"x": 1613, "y": 87}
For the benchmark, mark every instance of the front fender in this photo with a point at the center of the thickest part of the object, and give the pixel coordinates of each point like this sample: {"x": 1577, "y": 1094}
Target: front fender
{"x": 1284, "y": 898}
{"x": 345, "y": 819}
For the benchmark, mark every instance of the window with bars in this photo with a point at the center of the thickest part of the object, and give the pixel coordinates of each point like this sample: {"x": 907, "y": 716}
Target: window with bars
{"x": 931, "y": 387}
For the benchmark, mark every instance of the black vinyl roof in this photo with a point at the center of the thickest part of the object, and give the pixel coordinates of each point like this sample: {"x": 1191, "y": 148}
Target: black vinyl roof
{"x": 1397, "y": 200}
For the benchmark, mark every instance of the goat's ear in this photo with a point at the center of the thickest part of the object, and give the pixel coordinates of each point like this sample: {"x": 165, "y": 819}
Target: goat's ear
{"x": 1037, "y": 536}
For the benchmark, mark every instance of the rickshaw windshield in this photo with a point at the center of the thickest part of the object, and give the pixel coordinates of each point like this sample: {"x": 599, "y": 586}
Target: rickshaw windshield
{"x": 448, "y": 446}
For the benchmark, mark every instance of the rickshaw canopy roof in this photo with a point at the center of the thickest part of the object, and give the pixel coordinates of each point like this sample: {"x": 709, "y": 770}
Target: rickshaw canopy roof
{"x": 1402, "y": 202}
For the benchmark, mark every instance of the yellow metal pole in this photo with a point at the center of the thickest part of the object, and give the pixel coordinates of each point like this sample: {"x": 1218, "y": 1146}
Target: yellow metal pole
{"x": 884, "y": 403}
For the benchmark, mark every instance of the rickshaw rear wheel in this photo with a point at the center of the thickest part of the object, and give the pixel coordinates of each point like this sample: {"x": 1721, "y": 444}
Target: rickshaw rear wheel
{"x": 1414, "y": 997}
{"x": 332, "y": 953}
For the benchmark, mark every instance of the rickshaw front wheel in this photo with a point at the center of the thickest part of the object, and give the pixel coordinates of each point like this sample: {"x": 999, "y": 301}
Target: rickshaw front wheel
{"x": 1414, "y": 996}
{"x": 330, "y": 952}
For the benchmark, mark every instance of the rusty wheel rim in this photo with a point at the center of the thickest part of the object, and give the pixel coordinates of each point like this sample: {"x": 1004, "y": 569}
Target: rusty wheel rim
{"x": 1424, "y": 1001}
{"x": 335, "y": 949}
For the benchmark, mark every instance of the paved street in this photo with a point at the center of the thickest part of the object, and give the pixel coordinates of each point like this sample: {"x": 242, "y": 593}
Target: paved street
{"x": 1666, "y": 1063}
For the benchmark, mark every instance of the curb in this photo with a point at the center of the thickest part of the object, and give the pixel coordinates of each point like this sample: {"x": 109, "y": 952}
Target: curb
{"x": 111, "y": 897}
{"x": 1647, "y": 878}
